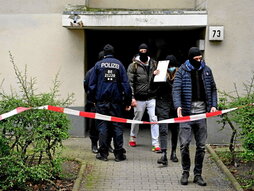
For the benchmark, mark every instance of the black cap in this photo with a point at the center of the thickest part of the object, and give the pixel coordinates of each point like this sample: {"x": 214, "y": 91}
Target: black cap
{"x": 143, "y": 46}
{"x": 194, "y": 51}
{"x": 108, "y": 50}
{"x": 172, "y": 59}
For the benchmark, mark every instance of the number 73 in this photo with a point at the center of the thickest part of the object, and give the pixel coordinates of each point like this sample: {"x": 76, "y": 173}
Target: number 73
{"x": 216, "y": 33}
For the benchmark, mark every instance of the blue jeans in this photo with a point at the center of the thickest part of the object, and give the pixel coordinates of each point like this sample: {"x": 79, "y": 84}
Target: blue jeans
{"x": 186, "y": 131}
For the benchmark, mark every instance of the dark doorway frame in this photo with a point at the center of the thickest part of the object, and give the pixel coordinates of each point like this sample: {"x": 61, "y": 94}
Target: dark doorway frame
{"x": 126, "y": 42}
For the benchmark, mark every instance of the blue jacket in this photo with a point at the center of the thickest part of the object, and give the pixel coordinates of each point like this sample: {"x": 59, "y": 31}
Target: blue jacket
{"x": 109, "y": 82}
{"x": 87, "y": 78}
{"x": 182, "y": 88}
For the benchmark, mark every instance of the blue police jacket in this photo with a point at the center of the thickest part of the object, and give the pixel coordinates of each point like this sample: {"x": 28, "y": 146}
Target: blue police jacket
{"x": 109, "y": 82}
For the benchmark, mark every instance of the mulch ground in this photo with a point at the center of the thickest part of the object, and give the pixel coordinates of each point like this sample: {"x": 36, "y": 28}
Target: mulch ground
{"x": 242, "y": 170}
{"x": 65, "y": 183}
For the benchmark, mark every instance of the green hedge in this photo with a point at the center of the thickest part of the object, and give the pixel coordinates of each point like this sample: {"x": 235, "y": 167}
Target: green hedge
{"x": 31, "y": 142}
{"x": 241, "y": 120}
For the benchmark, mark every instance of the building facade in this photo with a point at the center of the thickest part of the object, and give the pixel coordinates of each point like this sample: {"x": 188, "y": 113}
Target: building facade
{"x": 66, "y": 36}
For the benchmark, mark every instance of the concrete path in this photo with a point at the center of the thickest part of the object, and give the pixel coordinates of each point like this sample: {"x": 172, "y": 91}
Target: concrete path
{"x": 140, "y": 172}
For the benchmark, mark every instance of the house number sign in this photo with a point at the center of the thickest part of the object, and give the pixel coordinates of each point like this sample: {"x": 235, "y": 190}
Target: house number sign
{"x": 216, "y": 33}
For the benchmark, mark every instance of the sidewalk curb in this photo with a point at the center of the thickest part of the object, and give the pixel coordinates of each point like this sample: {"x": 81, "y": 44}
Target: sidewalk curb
{"x": 224, "y": 169}
{"x": 78, "y": 181}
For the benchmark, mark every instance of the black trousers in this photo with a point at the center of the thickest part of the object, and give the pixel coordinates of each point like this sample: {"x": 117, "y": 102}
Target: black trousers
{"x": 164, "y": 131}
{"x": 108, "y": 129}
{"x": 91, "y": 124}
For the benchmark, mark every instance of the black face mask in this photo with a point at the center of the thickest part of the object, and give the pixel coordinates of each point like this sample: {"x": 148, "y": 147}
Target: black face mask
{"x": 196, "y": 64}
{"x": 143, "y": 57}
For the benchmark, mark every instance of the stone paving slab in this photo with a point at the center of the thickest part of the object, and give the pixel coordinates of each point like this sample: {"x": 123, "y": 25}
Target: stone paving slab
{"x": 140, "y": 172}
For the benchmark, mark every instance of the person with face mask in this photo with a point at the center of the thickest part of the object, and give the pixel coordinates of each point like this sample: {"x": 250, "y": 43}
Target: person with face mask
{"x": 194, "y": 92}
{"x": 166, "y": 110}
{"x": 140, "y": 73}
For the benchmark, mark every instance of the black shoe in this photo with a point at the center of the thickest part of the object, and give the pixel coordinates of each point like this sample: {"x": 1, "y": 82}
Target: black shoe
{"x": 199, "y": 180}
{"x": 94, "y": 149}
{"x": 163, "y": 160}
{"x": 120, "y": 158}
{"x": 173, "y": 157}
{"x": 184, "y": 178}
{"x": 100, "y": 157}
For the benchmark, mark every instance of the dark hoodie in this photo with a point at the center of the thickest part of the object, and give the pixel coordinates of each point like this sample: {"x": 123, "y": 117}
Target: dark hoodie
{"x": 198, "y": 91}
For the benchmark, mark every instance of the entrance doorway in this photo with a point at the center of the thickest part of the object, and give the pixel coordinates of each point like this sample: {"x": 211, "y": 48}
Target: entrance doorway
{"x": 126, "y": 42}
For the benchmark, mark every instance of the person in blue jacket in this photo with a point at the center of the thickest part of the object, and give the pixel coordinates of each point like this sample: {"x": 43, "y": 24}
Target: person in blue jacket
{"x": 90, "y": 107}
{"x": 109, "y": 89}
{"x": 194, "y": 92}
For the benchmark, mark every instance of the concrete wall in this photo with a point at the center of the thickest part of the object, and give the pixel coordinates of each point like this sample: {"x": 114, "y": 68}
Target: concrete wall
{"x": 33, "y": 32}
{"x": 35, "y": 6}
{"x": 231, "y": 59}
{"x": 142, "y": 4}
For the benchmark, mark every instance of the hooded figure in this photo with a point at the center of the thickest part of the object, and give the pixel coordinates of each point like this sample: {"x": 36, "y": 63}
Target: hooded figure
{"x": 172, "y": 59}
{"x": 143, "y": 52}
{"x": 140, "y": 75}
{"x": 194, "y": 92}
{"x": 194, "y": 51}
{"x": 172, "y": 66}
{"x": 165, "y": 110}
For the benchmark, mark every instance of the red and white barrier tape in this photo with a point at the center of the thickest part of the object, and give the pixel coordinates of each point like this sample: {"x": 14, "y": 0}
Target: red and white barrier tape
{"x": 116, "y": 119}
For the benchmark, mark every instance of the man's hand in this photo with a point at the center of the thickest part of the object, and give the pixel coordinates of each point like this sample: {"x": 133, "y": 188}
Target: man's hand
{"x": 179, "y": 112}
{"x": 127, "y": 108}
{"x": 156, "y": 72}
{"x": 133, "y": 103}
{"x": 213, "y": 109}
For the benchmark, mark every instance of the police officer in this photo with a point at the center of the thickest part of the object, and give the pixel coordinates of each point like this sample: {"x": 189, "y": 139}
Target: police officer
{"x": 110, "y": 90}
{"x": 90, "y": 107}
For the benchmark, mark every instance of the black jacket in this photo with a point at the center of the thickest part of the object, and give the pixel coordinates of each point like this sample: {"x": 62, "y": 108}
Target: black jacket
{"x": 141, "y": 79}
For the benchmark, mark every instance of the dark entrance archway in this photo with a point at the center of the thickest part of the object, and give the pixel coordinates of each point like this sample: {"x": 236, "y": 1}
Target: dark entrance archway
{"x": 126, "y": 43}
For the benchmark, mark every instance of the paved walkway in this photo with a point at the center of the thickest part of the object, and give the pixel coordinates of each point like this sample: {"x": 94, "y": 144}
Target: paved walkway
{"x": 140, "y": 172}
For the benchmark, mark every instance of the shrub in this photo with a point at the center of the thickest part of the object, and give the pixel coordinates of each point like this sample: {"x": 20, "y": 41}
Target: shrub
{"x": 241, "y": 120}
{"x": 31, "y": 142}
